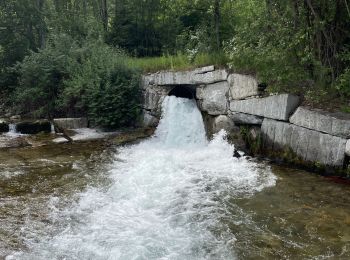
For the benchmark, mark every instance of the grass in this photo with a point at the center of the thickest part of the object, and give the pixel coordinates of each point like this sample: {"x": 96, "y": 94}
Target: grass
{"x": 177, "y": 62}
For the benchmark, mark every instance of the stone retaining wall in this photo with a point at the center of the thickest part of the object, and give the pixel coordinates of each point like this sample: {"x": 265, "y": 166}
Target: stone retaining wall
{"x": 229, "y": 100}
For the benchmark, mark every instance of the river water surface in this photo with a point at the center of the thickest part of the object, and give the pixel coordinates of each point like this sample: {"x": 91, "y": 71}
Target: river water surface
{"x": 173, "y": 196}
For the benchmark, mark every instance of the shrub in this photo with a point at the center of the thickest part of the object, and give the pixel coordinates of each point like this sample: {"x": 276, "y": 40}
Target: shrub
{"x": 69, "y": 78}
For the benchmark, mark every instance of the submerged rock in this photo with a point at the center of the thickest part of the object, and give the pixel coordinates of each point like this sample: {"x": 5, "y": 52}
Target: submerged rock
{"x": 13, "y": 142}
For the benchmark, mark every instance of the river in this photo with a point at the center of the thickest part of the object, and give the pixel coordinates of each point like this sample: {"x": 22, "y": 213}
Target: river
{"x": 173, "y": 196}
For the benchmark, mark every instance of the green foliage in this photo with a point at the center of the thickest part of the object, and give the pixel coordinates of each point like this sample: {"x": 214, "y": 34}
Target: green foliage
{"x": 68, "y": 78}
{"x": 21, "y": 28}
{"x": 155, "y": 27}
{"x": 177, "y": 62}
{"x": 293, "y": 46}
{"x": 115, "y": 103}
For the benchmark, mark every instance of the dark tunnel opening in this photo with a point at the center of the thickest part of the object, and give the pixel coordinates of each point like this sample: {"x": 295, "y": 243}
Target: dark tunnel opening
{"x": 183, "y": 92}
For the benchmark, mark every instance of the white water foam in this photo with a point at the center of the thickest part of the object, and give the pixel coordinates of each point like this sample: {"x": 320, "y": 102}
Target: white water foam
{"x": 166, "y": 200}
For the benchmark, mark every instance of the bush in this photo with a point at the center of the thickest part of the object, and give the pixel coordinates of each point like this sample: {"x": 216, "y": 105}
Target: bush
{"x": 115, "y": 103}
{"x": 69, "y": 78}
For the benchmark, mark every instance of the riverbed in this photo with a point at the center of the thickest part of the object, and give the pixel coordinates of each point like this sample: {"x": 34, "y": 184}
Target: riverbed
{"x": 172, "y": 196}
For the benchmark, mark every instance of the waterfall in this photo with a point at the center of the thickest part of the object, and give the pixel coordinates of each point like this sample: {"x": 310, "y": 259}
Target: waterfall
{"x": 169, "y": 198}
{"x": 181, "y": 123}
{"x": 12, "y": 130}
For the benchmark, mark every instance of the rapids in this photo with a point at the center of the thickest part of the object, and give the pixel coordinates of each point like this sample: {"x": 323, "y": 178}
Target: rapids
{"x": 167, "y": 198}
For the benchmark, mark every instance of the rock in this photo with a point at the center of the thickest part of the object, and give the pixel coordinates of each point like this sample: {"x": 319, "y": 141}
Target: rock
{"x": 236, "y": 154}
{"x": 204, "y": 69}
{"x": 242, "y": 86}
{"x": 153, "y": 98}
{"x": 210, "y": 77}
{"x": 223, "y": 122}
{"x": 276, "y": 107}
{"x": 309, "y": 145}
{"x": 28, "y": 127}
{"x": 212, "y": 98}
{"x": 337, "y": 124}
{"x": 147, "y": 80}
{"x": 15, "y": 117}
{"x": 173, "y": 78}
{"x": 347, "y": 148}
{"x": 149, "y": 120}
{"x": 205, "y": 75}
{"x": 245, "y": 119}
{"x": 71, "y": 123}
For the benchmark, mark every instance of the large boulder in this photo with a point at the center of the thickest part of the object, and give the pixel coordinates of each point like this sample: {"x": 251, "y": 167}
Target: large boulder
{"x": 278, "y": 107}
{"x": 213, "y": 98}
{"x": 71, "y": 123}
{"x": 34, "y": 127}
{"x": 205, "y": 75}
{"x": 331, "y": 123}
{"x": 242, "y": 86}
{"x": 245, "y": 119}
{"x": 310, "y": 145}
{"x": 223, "y": 122}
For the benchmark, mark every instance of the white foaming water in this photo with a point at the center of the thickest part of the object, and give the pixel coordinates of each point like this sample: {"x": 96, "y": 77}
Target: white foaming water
{"x": 168, "y": 198}
{"x": 12, "y": 130}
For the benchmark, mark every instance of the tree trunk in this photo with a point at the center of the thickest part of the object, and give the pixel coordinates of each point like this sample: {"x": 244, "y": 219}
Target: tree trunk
{"x": 217, "y": 18}
{"x": 42, "y": 29}
{"x": 104, "y": 14}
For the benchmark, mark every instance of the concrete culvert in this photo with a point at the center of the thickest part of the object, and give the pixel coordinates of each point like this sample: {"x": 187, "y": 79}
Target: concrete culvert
{"x": 183, "y": 92}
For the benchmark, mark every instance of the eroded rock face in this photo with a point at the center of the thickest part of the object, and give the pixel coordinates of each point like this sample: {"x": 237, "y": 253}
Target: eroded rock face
{"x": 245, "y": 119}
{"x": 34, "y": 127}
{"x": 223, "y": 122}
{"x": 242, "y": 86}
{"x": 308, "y": 144}
{"x": 71, "y": 123}
{"x": 278, "y": 107}
{"x": 213, "y": 98}
{"x": 337, "y": 124}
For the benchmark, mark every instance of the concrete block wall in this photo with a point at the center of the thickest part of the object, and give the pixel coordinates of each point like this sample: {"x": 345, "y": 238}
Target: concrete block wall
{"x": 235, "y": 99}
